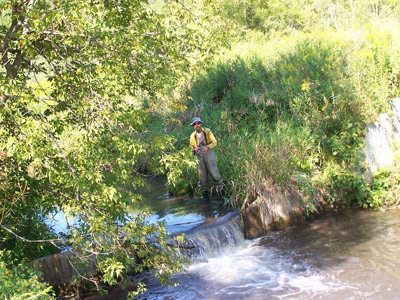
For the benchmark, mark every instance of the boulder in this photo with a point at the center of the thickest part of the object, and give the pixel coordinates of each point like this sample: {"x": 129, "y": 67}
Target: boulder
{"x": 58, "y": 270}
{"x": 271, "y": 209}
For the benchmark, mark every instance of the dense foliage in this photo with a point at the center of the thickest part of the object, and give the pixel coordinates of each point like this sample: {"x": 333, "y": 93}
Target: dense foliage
{"x": 20, "y": 281}
{"x": 80, "y": 83}
{"x": 290, "y": 100}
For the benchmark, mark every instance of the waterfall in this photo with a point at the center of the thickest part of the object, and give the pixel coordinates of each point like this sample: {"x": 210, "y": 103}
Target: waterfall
{"x": 212, "y": 239}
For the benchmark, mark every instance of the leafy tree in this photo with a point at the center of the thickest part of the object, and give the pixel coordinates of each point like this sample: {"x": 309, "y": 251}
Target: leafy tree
{"x": 80, "y": 83}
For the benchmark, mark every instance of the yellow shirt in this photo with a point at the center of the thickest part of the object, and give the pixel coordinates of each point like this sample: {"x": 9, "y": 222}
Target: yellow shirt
{"x": 208, "y": 139}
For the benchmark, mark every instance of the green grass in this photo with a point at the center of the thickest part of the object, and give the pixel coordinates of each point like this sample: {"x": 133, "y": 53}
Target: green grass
{"x": 290, "y": 109}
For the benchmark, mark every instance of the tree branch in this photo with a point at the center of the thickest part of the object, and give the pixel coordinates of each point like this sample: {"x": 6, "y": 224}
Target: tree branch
{"x": 15, "y": 27}
{"x": 52, "y": 241}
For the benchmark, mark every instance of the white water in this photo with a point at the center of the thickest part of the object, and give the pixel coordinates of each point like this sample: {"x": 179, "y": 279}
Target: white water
{"x": 252, "y": 272}
{"x": 355, "y": 255}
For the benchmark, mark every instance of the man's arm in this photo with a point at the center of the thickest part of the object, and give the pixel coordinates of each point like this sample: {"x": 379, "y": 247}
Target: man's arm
{"x": 211, "y": 140}
{"x": 193, "y": 143}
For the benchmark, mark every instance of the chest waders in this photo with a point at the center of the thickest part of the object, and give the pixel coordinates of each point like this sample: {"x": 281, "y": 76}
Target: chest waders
{"x": 207, "y": 164}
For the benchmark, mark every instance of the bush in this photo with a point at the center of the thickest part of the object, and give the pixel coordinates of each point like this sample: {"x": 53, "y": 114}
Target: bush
{"x": 385, "y": 189}
{"x": 19, "y": 281}
{"x": 32, "y": 227}
{"x": 181, "y": 171}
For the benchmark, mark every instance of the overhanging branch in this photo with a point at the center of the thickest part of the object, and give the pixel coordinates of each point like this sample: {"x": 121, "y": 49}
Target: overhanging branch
{"x": 51, "y": 241}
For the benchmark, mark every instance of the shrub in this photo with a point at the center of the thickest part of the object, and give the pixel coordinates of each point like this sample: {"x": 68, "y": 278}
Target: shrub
{"x": 385, "y": 189}
{"x": 19, "y": 281}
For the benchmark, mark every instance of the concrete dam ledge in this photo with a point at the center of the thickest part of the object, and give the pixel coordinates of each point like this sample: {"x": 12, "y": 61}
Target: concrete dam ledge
{"x": 270, "y": 210}
{"x": 201, "y": 242}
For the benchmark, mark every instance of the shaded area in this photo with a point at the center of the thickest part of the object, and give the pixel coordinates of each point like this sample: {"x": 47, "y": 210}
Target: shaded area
{"x": 181, "y": 213}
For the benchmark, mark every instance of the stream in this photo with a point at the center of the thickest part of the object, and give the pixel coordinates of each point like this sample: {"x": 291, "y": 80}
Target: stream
{"x": 353, "y": 254}
{"x": 182, "y": 213}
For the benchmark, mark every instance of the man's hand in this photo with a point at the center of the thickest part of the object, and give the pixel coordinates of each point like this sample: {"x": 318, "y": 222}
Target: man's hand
{"x": 194, "y": 150}
{"x": 203, "y": 149}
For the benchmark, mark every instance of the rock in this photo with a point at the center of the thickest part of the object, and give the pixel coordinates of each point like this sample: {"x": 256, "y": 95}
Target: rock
{"x": 380, "y": 140}
{"x": 395, "y": 106}
{"x": 58, "y": 271}
{"x": 379, "y": 151}
{"x": 252, "y": 224}
{"x": 272, "y": 209}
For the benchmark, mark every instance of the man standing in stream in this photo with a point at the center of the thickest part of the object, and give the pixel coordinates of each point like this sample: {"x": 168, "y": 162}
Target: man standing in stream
{"x": 203, "y": 143}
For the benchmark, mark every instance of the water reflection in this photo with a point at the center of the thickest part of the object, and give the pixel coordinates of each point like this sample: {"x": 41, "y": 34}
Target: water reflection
{"x": 181, "y": 213}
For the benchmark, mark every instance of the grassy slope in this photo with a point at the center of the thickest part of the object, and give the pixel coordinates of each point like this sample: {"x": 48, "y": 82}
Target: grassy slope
{"x": 289, "y": 104}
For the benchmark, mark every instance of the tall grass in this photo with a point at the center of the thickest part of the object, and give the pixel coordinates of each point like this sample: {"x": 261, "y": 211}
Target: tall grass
{"x": 290, "y": 110}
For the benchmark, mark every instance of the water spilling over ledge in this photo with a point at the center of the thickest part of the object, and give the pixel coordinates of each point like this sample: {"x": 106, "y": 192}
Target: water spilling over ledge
{"x": 181, "y": 214}
{"x": 210, "y": 239}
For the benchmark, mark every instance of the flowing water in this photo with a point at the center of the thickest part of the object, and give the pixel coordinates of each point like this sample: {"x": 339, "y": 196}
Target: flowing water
{"x": 180, "y": 214}
{"x": 354, "y": 254}
{"x": 348, "y": 255}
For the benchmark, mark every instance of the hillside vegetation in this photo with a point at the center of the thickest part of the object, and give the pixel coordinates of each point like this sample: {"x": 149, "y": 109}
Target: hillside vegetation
{"x": 289, "y": 101}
